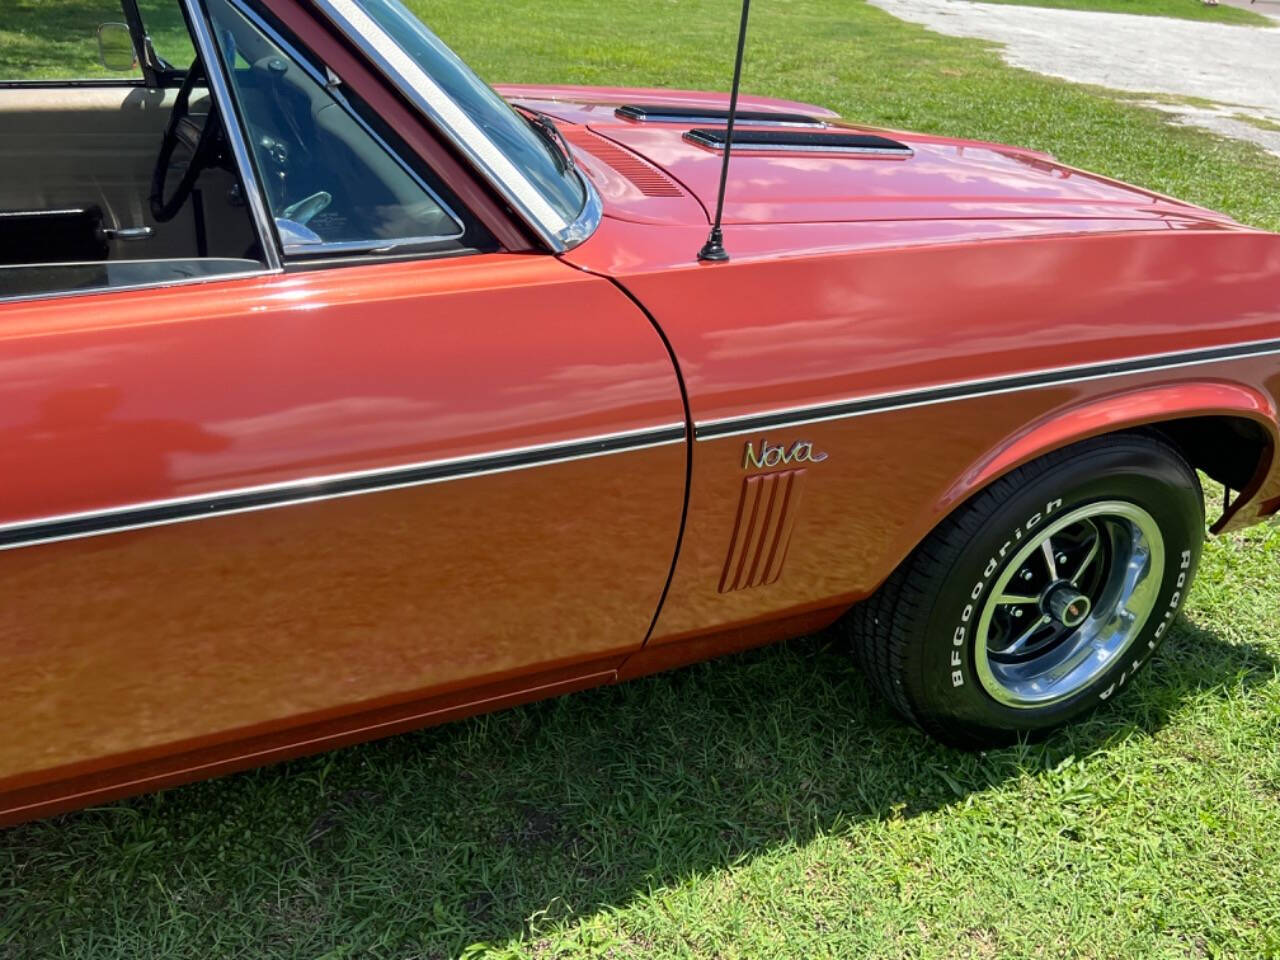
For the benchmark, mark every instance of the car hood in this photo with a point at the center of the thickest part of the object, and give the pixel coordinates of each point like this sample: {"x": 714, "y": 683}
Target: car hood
{"x": 942, "y": 178}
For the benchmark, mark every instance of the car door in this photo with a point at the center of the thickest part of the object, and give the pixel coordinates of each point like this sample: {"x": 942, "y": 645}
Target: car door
{"x": 361, "y": 483}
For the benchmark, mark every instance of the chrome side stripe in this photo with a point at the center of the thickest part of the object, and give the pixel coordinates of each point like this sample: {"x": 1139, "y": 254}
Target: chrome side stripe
{"x": 710, "y": 429}
{"x": 310, "y": 490}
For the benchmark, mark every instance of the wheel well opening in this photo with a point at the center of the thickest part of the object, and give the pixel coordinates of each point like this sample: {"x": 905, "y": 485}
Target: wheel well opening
{"x": 1231, "y": 450}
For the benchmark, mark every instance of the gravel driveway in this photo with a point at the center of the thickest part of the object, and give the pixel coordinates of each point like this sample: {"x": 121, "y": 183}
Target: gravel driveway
{"x": 1238, "y": 68}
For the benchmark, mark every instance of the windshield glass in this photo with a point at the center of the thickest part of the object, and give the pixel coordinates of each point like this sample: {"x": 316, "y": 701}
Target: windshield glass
{"x": 526, "y": 149}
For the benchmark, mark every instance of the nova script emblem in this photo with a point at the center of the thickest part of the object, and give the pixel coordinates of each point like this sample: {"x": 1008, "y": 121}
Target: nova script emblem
{"x": 776, "y": 455}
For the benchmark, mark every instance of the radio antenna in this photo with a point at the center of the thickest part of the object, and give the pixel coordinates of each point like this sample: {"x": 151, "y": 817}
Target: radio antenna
{"x": 714, "y": 249}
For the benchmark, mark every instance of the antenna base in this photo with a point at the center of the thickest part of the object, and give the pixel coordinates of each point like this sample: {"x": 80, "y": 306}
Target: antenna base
{"x": 713, "y": 249}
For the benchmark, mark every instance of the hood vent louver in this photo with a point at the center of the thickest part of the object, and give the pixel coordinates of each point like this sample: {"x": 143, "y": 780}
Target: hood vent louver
{"x": 649, "y": 180}
{"x": 800, "y": 141}
{"x": 668, "y": 113}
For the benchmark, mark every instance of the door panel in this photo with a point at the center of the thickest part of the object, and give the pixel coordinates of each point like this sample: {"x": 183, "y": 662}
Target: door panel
{"x": 69, "y": 146}
{"x": 489, "y": 567}
{"x": 62, "y": 141}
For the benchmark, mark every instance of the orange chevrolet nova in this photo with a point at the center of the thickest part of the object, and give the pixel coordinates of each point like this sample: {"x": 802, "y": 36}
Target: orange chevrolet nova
{"x": 344, "y": 395}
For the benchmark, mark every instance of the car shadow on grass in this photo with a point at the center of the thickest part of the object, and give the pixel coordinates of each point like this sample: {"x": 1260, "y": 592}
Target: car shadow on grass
{"x": 497, "y": 827}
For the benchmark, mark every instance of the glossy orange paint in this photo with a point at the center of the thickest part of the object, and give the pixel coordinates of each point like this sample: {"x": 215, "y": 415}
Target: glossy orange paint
{"x": 138, "y": 646}
{"x": 189, "y": 390}
{"x": 148, "y": 657}
{"x": 859, "y": 521}
{"x": 810, "y": 315}
{"x": 302, "y": 735}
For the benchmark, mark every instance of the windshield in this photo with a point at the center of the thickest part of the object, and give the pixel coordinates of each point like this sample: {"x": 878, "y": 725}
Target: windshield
{"x": 526, "y": 156}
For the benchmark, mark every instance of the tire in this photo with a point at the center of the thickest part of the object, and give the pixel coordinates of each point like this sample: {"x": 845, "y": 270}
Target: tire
{"x": 950, "y": 638}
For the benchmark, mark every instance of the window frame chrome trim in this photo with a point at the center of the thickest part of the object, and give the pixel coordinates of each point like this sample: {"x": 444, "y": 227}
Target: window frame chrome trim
{"x": 95, "y": 263}
{"x": 296, "y": 252}
{"x": 220, "y": 91}
{"x": 125, "y": 288}
{"x": 316, "y": 489}
{"x": 51, "y": 83}
{"x": 457, "y": 126}
{"x": 581, "y": 229}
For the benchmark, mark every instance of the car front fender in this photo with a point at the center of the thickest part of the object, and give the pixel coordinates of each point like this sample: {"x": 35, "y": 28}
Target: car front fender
{"x": 1140, "y": 407}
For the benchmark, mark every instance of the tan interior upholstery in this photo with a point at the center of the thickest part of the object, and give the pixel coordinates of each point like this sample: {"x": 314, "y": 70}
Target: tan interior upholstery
{"x": 98, "y": 145}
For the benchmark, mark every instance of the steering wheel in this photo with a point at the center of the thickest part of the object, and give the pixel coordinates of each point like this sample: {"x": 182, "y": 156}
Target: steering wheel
{"x": 202, "y": 139}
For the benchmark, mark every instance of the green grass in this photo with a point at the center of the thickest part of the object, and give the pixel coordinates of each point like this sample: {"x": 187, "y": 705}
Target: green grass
{"x": 1181, "y": 9}
{"x": 765, "y": 805}
{"x": 1259, "y": 122}
{"x": 53, "y": 38}
{"x": 868, "y": 66}
{"x": 58, "y": 39}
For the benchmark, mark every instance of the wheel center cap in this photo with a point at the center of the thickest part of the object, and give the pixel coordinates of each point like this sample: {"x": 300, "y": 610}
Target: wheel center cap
{"x": 1068, "y": 605}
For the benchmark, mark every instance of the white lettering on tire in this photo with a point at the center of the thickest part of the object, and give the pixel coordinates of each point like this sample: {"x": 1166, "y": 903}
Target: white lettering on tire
{"x": 961, "y": 635}
{"x": 1170, "y": 611}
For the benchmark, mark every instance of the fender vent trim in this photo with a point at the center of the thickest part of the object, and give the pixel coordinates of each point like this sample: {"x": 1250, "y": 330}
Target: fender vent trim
{"x": 762, "y": 529}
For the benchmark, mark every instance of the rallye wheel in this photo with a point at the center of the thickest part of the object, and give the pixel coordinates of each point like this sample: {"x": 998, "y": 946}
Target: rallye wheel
{"x": 1039, "y": 598}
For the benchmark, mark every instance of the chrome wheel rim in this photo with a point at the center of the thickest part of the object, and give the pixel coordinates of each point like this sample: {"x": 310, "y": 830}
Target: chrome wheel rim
{"x": 1070, "y": 602}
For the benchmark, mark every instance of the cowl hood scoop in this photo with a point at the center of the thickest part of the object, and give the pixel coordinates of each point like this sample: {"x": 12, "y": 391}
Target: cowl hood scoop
{"x": 799, "y": 141}
{"x": 680, "y": 113}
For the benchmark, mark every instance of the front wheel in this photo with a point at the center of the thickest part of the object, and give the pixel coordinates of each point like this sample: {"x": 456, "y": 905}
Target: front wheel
{"x": 1039, "y": 598}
